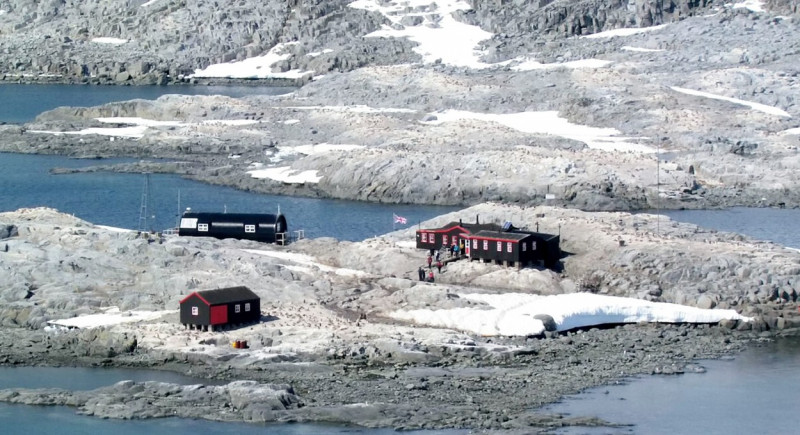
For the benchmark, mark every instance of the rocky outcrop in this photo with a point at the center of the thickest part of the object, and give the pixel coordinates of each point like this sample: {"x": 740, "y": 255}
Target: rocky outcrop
{"x": 161, "y": 41}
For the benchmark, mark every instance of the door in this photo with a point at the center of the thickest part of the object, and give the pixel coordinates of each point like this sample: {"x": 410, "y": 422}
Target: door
{"x": 219, "y": 314}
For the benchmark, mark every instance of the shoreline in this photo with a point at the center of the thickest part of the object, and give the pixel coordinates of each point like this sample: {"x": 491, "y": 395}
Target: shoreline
{"x": 460, "y": 390}
{"x": 328, "y": 348}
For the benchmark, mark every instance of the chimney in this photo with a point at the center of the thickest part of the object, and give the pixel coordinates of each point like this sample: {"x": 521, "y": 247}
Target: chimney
{"x": 477, "y": 221}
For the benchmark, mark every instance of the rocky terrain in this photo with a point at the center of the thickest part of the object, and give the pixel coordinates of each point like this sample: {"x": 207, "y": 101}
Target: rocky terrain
{"x": 329, "y": 312}
{"x": 698, "y": 113}
{"x": 530, "y": 112}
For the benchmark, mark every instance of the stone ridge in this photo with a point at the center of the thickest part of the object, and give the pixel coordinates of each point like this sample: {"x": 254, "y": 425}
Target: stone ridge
{"x": 167, "y": 40}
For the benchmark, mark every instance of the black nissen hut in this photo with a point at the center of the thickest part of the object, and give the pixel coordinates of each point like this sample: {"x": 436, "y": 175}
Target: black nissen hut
{"x": 267, "y": 228}
{"x": 514, "y": 248}
{"x": 211, "y": 309}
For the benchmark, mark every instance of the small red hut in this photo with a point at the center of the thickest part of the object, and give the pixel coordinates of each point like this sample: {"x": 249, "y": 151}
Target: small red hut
{"x": 218, "y": 308}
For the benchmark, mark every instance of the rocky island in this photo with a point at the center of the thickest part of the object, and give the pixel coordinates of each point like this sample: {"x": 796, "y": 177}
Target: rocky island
{"x": 588, "y": 107}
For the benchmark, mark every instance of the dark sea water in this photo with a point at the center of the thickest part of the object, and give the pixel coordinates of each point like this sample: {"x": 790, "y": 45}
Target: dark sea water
{"x": 754, "y": 393}
{"x": 116, "y": 200}
{"x": 22, "y": 103}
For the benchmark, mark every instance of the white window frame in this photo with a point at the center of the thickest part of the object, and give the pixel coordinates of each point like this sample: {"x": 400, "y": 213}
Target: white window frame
{"x": 524, "y": 246}
{"x": 424, "y": 237}
{"x": 499, "y": 246}
{"x": 485, "y": 245}
{"x": 444, "y": 239}
{"x": 237, "y": 308}
{"x": 475, "y": 244}
{"x": 249, "y": 228}
{"x": 509, "y": 247}
{"x": 195, "y": 311}
{"x": 247, "y": 307}
{"x": 202, "y": 227}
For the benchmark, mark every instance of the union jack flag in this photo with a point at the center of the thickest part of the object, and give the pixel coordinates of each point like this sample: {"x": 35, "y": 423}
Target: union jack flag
{"x": 399, "y": 219}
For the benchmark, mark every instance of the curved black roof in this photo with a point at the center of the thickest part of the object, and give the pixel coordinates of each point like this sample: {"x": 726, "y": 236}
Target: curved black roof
{"x": 226, "y": 295}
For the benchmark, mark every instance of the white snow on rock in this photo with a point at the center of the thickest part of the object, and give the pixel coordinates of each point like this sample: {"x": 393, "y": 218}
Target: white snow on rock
{"x": 138, "y": 126}
{"x": 755, "y": 106}
{"x": 791, "y": 131}
{"x": 623, "y": 32}
{"x": 308, "y": 262}
{"x": 132, "y": 132}
{"x": 642, "y": 50}
{"x": 318, "y": 53}
{"x": 753, "y": 5}
{"x": 107, "y": 40}
{"x": 286, "y": 174}
{"x": 549, "y": 122}
{"x": 439, "y": 35}
{"x": 254, "y": 67}
{"x": 112, "y": 316}
{"x": 530, "y": 64}
{"x": 359, "y": 108}
{"x": 512, "y": 314}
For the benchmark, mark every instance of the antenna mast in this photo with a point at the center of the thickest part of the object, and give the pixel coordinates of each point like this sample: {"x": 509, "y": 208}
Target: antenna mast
{"x": 145, "y": 201}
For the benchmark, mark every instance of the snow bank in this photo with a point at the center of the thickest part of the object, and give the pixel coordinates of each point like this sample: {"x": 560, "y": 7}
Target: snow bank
{"x": 549, "y": 122}
{"x": 112, "y": 316}
{"x": 512, "y": 314}
{"x": 254, "y": 67}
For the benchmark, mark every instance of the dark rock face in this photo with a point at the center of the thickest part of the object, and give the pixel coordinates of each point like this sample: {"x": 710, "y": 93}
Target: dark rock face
{"x": 161, "y": 42}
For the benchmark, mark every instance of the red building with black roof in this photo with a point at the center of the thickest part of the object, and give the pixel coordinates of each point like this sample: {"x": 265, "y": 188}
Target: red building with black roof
{"x": 449, "y": 235}
{"x": 218, "y": 308}
{"x": 514, "y": 247}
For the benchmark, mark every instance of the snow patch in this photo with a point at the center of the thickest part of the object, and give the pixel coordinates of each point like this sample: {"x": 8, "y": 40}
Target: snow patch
{"x": 285, "y": 174}
{"x": 106, "y": 40}
{"x": 623, "y": 32}
{"x": 752, "y": 5}
{"x": 112, "y": 316}
{"x": 254, "y": 67}
{"x": 439, "y": 36}
{"x": 359, "y": 108}
{"x": 640, "y": 49}
{"x": 308, "y": 263}
{"x": 755, "y": 106}
{"x": 527, "y": 64}
{"x": 605, "y": 139}
{"x": 511, "y": 314}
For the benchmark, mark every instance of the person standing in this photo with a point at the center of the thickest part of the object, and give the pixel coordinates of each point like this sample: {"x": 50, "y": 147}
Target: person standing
{"x": 430, "y": 276}
{"x": 421, "y": 273}
{"x": 439, "y": 266}
{"x": 430, "y": 260}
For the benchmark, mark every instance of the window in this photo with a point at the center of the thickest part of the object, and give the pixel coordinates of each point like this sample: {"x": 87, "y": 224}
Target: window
{"x": 533, "y": 246}
{"x": 499, "y": 246}
{"x": 475, "y": 244}
{"x": 455, "y": 240}
{"x": 524, "y": 246}
{"x": 195, "y": 311}
{"x": 424, "y": 237}
{"x": 485, "y": 245}
{"x": 444, "y": 240}
{"x": 202, "y": 227}
{"x": 249, "y": 228}
{"x": 237, "y": 308}
{"x": 509, "y": 247}
{"x": 247, "y": 306}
